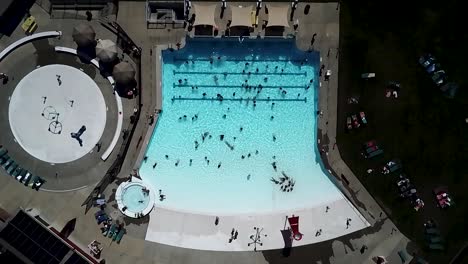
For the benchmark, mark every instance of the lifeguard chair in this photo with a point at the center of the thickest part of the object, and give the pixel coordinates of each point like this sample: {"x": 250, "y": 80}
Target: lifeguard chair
{"x": 294, "y": 224}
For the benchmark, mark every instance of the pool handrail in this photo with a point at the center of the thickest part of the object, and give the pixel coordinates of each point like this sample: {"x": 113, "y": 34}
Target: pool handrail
{"x": 118, "y": 100}
{"x": 27, "y": 39}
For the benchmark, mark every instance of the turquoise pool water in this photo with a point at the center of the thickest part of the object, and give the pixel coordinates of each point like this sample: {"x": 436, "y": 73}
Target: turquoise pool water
{"x": 223, "y": 141}
{"x": 134, "y": 199}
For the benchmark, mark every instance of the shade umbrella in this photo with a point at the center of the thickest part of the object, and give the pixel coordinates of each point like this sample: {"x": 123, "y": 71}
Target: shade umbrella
{"x": 84, "y": 35}
{"x": 106, "y": 50}
{"x": 123, "y": 73}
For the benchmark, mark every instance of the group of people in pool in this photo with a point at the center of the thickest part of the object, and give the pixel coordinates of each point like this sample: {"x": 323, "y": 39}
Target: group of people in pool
{"x": 246, "y": 85}
{"x": 285, "y": 182}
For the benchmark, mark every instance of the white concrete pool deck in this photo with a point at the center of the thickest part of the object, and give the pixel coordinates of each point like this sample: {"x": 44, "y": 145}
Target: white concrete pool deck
{"x": 197, "y": 231}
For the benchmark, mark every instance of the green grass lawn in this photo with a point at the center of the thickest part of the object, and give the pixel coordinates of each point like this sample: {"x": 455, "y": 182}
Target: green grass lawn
{"x": 426, "y": 130}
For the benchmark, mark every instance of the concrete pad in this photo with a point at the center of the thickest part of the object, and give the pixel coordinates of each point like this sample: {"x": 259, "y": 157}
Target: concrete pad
{"x": 198, "y": 231}
{"x": 48, "y": 105}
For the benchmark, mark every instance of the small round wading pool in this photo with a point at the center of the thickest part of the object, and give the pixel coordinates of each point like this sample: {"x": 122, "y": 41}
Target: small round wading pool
{"x": 135, "y": 199}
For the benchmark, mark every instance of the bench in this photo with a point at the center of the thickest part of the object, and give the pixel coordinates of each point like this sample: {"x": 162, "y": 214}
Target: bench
{"x": 75, "y": 52}
{"x": 28, "y": 39}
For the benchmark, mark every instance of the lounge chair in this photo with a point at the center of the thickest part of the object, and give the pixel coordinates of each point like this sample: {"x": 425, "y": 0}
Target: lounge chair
{"x": 420, "y": 260}
{"x": 27, "y": 178}
{"x": 102, "y": 218}
{"x": 392, "y": 166}
{"x": 349, "y": 125}
{"x": 370, "y": 143}
{"x": 409, "y": 193}
{"x": 355, "y": 121}
{"x": 4, "y": 158}
{"x": 403, "y": 182}
{"x": 112, "y": 230}
{"x": 403, "y": 256}
{"x": 435, "y": 246}
{"x": 294, "y": 224}
{"x": 11, "y": 168}
{"x": 99, "y": 202}
{"x": 7, "y": 162}
{"x": 396, "y": 166}
{"x": 105, "y": 230}
{"x": 426, "y": 60}
{"x": 442, "y": 196}
{"x": 120, "y": 235}
{"x": 21, "y": 175}
{"x": 406, "y": 188}
{"x": 434, "y": 239}
{"x": 372, "y": 149}
{"x": 117, "y": 231}
{"x": 17, "y": 171}
{"x": 432, "y": 231}
{"x": 31, "y": 182}
{"x": 362, "y": 115}
{"x": 3, "y": 151}
{"x": 37, "y": 182}
{"x": 99, "y": 213}
{"x": 375, "y": 153}
{"x": 368, "y": 75}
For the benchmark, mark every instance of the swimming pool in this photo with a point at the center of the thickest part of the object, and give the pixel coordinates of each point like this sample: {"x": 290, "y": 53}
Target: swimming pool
{"x": 135, "y": 199}
{"x": 238, "y": 129}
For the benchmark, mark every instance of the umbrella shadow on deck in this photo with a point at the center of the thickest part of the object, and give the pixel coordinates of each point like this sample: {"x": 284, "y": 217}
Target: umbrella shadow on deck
{"x": 46, "y": 55}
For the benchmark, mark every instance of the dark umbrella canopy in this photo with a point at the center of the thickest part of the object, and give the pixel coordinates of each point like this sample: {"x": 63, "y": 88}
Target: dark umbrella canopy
{"x": 106, "y": 50}
{"x": 84, "y": 35}
{"x": 123, "y": 73}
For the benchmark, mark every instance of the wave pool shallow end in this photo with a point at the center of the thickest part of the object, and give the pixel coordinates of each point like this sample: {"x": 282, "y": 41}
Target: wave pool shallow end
{"x": 275, "y": 133}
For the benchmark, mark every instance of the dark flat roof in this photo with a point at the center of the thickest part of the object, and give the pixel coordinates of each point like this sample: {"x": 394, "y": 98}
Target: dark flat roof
{"x": 78, "y": 2}
{"x": 36, "y": 242}
{"x": 4, "y": 5}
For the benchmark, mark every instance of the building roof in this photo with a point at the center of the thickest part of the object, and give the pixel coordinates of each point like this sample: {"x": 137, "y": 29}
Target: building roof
{"x": 35, "y": 242}
{"x": 4, "y": 5}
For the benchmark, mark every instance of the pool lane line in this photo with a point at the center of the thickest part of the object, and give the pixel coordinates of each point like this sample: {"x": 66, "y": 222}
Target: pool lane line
{"x": 238, "y": 60}
{"x": 238, "y": 99}
{"x": 174, "y": 85}
{"x": 241, "y": 73}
